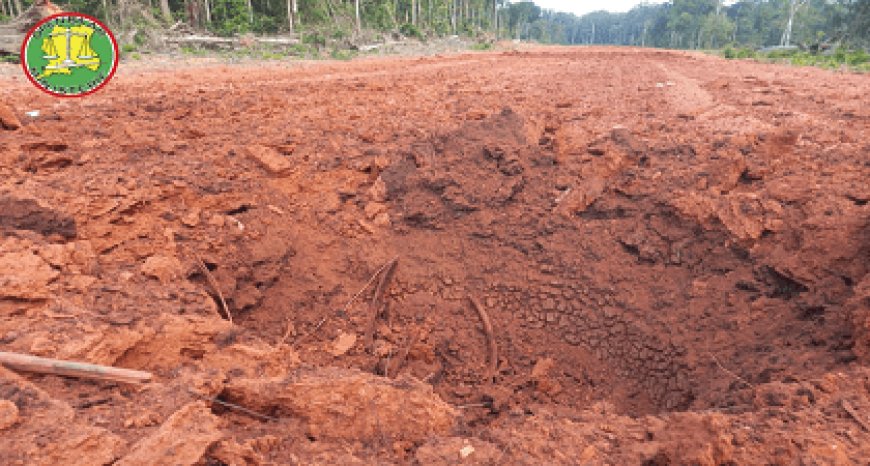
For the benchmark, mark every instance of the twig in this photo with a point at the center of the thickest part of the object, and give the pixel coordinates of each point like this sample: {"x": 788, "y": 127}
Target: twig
{"x": 347, "y": 305}
{"x": 286, "y": 334}
{"x": 311, "y": 332}
{"x": 386, "y": 276}
{"x": 490, "y": 337}
{"x": 473, "y": 405}
{"x": 741, "y": 379}
{"x": 28, "y": 363}
{"x": 368, "y": 283}
{"x": 855, "y": 415}
{"x": 214, "y": 285}
{"x": 377, "y": 303}
{"x": 232, "y": 406}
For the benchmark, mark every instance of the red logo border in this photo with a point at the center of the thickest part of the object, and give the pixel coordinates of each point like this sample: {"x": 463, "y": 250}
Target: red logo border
{"x": 29, "y": 35}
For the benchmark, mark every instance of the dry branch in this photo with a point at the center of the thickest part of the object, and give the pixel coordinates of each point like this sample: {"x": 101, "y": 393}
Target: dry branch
{"x": 214, "y": 285}
{"x": 732, "y": 374}
{"x": 386, "y": 276}
{"x": 227, "y": 404}
{"x": 377, "y": 303}
{"x": 349, "y": 302}
{"x": 490, "y": 338}
{"x": 368, "y": 283}
{"x": 28, "y": 363}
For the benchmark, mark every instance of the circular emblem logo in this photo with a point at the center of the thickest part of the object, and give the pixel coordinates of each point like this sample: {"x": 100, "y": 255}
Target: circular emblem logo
{"x": 69, "y": 55}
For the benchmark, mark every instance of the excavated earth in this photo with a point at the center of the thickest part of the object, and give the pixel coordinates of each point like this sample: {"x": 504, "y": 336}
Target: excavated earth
{"x": 673, "y": 251}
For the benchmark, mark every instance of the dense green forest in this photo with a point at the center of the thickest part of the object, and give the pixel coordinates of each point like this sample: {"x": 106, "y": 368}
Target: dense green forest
{"x": 710, "y": 24}
{"x": 689, "y": 24}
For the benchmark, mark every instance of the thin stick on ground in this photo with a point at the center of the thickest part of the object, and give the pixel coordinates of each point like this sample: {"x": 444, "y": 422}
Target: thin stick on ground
{"x": 214, "y": 285}
{"x": 349, "y": 302}
{"x": 311, "y": 332}
{"x": 377, "y": 303}
{"x": 732, "y": 374}
{"x": 490, "y": 338}
{"x": 38, "y": 365}
{"x": 386, "y": 276}
{"x": 368, "y": 283}
{"x": 234, "y": 406}
{"x": 286, "y": 333}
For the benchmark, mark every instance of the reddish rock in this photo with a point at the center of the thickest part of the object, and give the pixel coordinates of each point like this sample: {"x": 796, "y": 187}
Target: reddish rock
{"x": 8, "y": 120}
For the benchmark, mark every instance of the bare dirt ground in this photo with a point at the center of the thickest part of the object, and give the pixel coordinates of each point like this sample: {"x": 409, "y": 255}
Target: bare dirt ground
{"x": 672, "y": 249}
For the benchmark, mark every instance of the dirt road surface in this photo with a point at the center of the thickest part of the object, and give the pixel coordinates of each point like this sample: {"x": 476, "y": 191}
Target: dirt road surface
{"x": 672, "y": 249}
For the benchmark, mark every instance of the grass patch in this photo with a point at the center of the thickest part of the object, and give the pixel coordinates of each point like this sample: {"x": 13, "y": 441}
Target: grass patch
{"x": 342, "y": 54}
{"x": 196, "y": 51}
{"x": 856, "y": 60}
{"x": 302, "y": 50}
{"x": 739, "y": 53}
{"x": 481, "y": 46}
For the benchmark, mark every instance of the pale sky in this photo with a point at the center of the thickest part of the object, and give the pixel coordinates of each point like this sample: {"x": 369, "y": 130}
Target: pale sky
{"x": 581, "y": 7}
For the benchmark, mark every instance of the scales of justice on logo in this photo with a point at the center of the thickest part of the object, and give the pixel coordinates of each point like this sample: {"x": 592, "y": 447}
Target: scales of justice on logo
{"x": 69, "y": 55}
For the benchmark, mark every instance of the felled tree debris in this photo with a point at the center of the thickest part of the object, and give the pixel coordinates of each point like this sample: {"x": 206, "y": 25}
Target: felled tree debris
{"x": 12, "y": 33}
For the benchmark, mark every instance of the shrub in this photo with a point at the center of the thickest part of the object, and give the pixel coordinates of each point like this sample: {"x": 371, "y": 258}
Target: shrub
{"x": 314, "y": 38}
{"x": 340, "y": 54}
{"x": 230, "y": 17}
{"x": 745, "y": 52}
{"x": 857, "y": 57}
{"x": 300, "y": 50}
{"x": 410, "y": 30}
{"x": 265, "y": 24}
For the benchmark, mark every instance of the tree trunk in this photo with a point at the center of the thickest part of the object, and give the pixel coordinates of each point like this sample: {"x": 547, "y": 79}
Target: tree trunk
{"x": 250, "y": 12}
{"x": 18, "y": 7}
{"x": 290, "y": 14}
{"x": 192, "y": 13}
{"x": 358, "y": 19}
{"x": 121, "y": 13}
{"x": 495, "y": 17}
{"x": 786, "y": 34}
{"x": 414, "y": 12}
{"x": 164, "y": 9}
{"x": 205, "y": 3}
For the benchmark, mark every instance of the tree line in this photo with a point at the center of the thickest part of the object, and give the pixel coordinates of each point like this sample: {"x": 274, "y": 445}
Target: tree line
{"x": 688, "y": 24}
{"x": 710, "y": 24}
